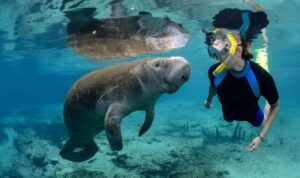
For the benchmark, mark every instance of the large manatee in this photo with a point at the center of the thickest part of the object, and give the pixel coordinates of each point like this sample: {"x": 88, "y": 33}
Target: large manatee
{"x": 101, "y": 99}
{"x": 122, "y": 36}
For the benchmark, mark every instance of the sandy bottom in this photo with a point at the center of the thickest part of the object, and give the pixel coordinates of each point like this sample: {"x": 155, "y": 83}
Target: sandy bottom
{"x": 185, "y": 140}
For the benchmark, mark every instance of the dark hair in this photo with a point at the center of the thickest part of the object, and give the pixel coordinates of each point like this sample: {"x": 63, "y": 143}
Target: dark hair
{"x": 228, "y": 18}
{"x": 231, "y": 18}
{"x": 258, "y": 21}
{"x": 246, "y": 54}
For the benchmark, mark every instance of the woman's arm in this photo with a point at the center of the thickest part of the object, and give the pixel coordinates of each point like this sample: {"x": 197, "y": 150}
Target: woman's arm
{"x": 255, "y": 6}
{"x": 270, "y": 118}
{"x": 212, "y": 91}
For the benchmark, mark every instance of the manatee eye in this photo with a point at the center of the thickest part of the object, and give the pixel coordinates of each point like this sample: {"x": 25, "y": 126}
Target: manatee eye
{"x": 157, "y": 64}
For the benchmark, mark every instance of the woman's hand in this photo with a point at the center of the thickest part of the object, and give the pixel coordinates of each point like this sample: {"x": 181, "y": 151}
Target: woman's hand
{"x": 254, "y": 144}
{"x": 207, "y": 103}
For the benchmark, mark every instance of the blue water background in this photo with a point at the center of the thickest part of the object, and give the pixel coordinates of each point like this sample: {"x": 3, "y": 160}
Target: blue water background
{"x": 37, "y": 69}
{"x": 40, "y": 69}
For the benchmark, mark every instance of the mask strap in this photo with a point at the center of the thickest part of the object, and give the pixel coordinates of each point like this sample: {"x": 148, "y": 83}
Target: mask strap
{"x": 245, "y": 25}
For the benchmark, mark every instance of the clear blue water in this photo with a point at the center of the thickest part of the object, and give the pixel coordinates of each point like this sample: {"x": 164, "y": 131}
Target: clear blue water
{"x": 37, "y": 69}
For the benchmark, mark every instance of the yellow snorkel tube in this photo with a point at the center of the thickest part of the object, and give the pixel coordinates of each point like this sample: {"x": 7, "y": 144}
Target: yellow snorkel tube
{"x": 231, "y": 53}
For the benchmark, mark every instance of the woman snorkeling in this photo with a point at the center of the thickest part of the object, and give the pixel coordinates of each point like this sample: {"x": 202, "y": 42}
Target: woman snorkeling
{"x": 239, "y": 82}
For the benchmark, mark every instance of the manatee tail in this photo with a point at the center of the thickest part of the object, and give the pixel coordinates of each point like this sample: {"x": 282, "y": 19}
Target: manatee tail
{"x": 69, "y": 151}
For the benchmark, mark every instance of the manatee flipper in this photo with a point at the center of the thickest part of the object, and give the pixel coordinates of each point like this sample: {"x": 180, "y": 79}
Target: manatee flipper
{"x": 117, "y": 9}
{"x": 148, "y": 120}
{"x": 112, "y": 126}
{"x": 79, "y": 18}
{"x": 69, "y": 151}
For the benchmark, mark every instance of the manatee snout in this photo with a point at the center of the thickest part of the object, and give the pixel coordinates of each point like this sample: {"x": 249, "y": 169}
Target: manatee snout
{"x": 186, "y": 73}
{"x": 179, "y": 73}
{"x": 175, "y": 29}
{"x": 177, "y": 36}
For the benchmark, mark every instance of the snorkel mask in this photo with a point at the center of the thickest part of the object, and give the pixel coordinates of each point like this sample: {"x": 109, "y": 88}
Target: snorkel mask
{"x": 222, "y": 47}
{"x": 219, "y": 46}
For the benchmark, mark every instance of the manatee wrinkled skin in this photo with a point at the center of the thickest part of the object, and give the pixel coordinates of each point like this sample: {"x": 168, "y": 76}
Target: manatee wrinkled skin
{"x": 101, "y": 99}
{"x": 122, "y": 36}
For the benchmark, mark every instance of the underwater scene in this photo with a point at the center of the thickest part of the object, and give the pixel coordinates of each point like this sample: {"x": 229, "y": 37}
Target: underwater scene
{"x": 149, "y": 88}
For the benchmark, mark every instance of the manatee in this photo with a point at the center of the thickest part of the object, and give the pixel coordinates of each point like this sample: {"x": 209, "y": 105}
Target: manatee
{"x": 101, "y": 99}
{"x": 122, "y": 36}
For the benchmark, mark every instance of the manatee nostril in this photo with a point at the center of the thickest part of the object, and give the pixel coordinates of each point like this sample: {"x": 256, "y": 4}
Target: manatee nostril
{"x": 184, "y": 78}
{"x": 186, "y": 74}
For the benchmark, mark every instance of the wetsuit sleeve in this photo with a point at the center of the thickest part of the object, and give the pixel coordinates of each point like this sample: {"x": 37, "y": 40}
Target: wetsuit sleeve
{"x": 268, "y": 87}
{"x": 269, "y": 90}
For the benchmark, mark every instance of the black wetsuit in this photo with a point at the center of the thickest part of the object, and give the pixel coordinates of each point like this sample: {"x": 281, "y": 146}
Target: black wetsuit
{"x": 237, "y": 99}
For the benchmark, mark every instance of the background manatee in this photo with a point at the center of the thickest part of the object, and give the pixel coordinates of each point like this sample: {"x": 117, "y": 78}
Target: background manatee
{"x": 101, "y": 99}
{"x": 122, "y": 36}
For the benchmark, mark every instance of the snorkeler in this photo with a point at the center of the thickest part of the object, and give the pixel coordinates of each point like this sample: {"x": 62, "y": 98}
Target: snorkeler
{"x": 239, "y": 85}
{"x": 236, "y": 80}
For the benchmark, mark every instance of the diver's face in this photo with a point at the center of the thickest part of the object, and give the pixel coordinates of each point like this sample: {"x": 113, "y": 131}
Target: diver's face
{"x": 219, "y": 44}
{"x": 219, "y": 49}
